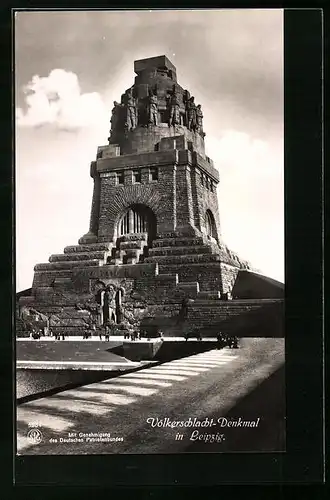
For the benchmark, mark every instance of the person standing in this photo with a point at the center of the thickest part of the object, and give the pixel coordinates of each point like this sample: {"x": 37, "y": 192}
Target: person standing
{"x": 107, "y": 332}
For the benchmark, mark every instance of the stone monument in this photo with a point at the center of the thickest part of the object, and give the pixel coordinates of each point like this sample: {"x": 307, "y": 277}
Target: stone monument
{"x": 154, "y": 238}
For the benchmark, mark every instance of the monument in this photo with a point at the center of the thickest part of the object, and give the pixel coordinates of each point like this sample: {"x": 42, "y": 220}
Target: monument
{"x": 154, "y": 238}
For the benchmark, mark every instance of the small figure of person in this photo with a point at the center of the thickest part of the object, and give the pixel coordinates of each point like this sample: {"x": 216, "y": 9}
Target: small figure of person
{"x": 63, "y": 336}
{"x": 100, "y": 334}
{"x": 107, "y": 332}
{"x": 219, "y": 341}
{"x": 230, "y": 341}
{"x": 35, "y": 334}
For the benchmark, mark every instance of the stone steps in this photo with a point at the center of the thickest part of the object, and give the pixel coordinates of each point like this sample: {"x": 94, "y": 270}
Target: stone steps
{"x": 209, "y": 295}
{"x": 188, "y": 289}
{"x": 182, "y": 250}
{"x": 180, "y": 242}
{"x": 92, "y": 247}
{"x": 134, "y": 237}
{"x": 55, "y": 266}
{"x": 184, "y": 259}
{"x": 131, "y": 245}
{"x": 66, "y": 257}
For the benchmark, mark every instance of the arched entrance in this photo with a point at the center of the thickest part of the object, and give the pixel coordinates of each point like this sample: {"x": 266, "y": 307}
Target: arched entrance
{"x": 210, "y": 226}
{"x": 137, "y": 219}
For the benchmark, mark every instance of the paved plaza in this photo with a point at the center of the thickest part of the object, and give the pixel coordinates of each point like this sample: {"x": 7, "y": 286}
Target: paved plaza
{"x": 115, "y": 415}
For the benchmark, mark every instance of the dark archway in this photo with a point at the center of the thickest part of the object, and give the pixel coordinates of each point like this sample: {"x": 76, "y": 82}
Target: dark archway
{"x": 137, "y": 219}
{"x": 210, "y": 226}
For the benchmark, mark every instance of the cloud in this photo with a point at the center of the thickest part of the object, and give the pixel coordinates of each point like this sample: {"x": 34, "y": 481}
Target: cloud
{"x": 239, "y": 152}
{"x": 57, "y": 100}
{"x": 251, "y": 198}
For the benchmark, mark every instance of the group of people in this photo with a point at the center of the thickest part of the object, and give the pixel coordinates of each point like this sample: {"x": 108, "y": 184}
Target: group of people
{"x": 197, "y": 335}
{"x": 133, "y": 335}
{"x": 224, "y": 340}
{"x": 37, "y": 334}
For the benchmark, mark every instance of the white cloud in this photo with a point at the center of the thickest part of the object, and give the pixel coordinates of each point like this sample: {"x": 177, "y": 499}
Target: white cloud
{"x": 251, "y": 198}
{"x": 57, "y": 100}
{"x": 238, "y": 151}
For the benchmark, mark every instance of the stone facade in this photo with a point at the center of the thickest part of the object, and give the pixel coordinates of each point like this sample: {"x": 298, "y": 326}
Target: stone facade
{"x": 154, "y": 233}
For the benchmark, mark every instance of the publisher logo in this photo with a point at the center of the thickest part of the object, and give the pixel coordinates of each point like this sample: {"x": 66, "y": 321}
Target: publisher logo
{"x": 34, "y": 436}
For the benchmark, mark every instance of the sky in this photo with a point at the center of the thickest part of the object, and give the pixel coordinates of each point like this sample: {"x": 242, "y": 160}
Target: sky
{"x": 69, "y": 68}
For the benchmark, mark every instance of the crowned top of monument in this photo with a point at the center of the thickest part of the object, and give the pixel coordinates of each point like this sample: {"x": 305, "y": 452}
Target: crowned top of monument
{"x": 159, "y": 62}
{"x": 153, "y": 108}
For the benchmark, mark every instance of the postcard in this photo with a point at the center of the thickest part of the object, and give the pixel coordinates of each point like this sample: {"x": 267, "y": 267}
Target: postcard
{"x": 149, "y": 232}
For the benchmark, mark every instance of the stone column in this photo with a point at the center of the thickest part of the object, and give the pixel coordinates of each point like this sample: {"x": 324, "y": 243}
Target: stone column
{"x": 95, "y": 210}
{"x": 91, "y": 236}
{"x": 166, "y": 220}
{"x": 184, "y": 204}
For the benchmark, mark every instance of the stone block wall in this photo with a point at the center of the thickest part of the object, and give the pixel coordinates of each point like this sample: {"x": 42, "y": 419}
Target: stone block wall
{"x": 158, "y": 196}
{"x": 207, "y": 274}
{"x": 228, "y": 277}
{"x": 144, "y": 139}
{"x": 204, "y": 199}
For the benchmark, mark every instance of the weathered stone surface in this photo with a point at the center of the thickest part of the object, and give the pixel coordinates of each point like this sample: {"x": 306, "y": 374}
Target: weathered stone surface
{"x": 154, "y": 230}
{"x": 78, "y": 256}
{"x": 53, "y": 266}
{"x": 175, "y": 250}
{"x": 96, "y": 247}
{"x": 184, "y": 259}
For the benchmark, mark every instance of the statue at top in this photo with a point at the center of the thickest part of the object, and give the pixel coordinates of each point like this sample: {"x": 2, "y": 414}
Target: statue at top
{"x": 199, "y": 119}
{"x": 191, "y": 114}
{"x": 153, "y": 108}
{"x": 174, "y": 115}
{"x": 131, "y": 117}
{"x": 115, "y": 118}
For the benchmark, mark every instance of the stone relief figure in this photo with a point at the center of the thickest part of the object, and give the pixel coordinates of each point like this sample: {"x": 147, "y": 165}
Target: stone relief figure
{"x": 199, "y": 119}
{"x": 174, "y": 110}
{"x": 153, "y": 108}
{"x": 115, "y": 117}
{"x": 131, "y": 118}
{"x": 191, "y": 114}
{"x": 109, "y": 304}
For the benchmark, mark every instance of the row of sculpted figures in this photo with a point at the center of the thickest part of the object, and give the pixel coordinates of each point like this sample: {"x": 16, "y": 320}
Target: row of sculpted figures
{"x": 131, "y": 112}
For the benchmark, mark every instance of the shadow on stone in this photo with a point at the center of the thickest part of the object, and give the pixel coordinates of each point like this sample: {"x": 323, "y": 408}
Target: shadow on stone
{"x": 266, "y": 402}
